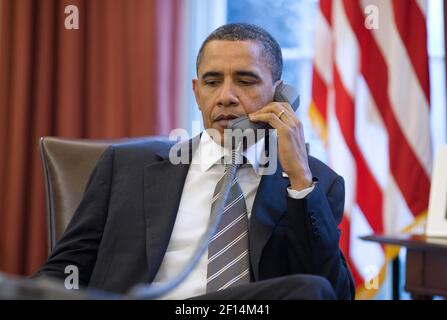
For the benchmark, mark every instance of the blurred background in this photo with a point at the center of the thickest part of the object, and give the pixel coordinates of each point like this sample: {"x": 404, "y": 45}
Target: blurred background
{"x": 371, "y": 75}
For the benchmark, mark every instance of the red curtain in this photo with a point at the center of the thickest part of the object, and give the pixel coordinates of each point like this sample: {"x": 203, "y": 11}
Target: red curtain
{"x": 100, "y": 81}
{"x": 445, "y": 43}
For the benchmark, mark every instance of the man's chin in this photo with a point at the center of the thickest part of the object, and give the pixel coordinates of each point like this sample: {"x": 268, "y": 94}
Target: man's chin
{"x": 216, "y": 133}
{"x": 220, "y": 133}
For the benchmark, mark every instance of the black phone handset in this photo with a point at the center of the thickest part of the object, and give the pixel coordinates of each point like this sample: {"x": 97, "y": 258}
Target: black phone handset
{"x": 283, "y": 93}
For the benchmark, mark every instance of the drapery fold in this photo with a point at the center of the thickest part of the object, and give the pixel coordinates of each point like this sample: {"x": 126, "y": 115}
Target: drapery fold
{"x": 100, "y": 81}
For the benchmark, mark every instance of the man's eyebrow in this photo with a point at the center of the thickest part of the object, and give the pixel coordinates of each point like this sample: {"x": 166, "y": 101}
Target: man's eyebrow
{"x": 239, "y": 73}
{"x": 211, "y": 74}
{"x": 250, "y": 74}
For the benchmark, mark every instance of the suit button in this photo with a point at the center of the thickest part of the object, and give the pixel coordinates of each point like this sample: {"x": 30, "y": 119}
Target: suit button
{"x": 315, "y": 231}
{"x": 313, "y": 220}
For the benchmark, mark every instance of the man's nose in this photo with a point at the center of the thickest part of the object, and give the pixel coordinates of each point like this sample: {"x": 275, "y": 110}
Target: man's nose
{"x": 227, "y": 96}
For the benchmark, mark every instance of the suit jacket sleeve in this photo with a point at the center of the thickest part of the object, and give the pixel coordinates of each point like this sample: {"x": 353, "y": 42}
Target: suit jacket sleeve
{"x": 79, "y": 243}
{"x": 314, "y": 237}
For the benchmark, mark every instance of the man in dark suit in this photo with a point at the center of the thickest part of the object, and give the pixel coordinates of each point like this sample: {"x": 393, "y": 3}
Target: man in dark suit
{"x": 142, "y": 215}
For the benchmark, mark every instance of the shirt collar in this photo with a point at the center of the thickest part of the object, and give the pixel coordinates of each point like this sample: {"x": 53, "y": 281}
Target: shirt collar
{"x": 210, "y": 153}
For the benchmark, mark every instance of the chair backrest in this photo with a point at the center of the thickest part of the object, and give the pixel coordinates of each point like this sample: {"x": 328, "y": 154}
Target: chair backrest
{"x": 67, "y": 165}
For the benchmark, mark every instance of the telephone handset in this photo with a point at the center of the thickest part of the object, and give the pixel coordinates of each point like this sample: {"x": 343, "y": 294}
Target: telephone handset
{"x": 283, "y": 93}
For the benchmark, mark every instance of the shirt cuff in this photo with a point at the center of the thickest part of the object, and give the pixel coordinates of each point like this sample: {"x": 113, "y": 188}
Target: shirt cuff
{"x": 300, "y": 194}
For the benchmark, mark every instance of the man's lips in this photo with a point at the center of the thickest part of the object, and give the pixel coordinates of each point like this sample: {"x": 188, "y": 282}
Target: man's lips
{"x": 226, "y": 117}
{"x": 223, "y": 120}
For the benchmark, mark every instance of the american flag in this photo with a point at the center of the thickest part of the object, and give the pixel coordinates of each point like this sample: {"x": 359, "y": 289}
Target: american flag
{"x": 371, "y": 106}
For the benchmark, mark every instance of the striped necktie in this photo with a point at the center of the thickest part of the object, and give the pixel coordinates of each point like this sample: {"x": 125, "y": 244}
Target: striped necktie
{"x": 228, "y": 256}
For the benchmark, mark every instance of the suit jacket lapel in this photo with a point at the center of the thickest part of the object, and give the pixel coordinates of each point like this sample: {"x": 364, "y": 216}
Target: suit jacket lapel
{"x": 163, "y": 185}
{"x": 269, "y": 206}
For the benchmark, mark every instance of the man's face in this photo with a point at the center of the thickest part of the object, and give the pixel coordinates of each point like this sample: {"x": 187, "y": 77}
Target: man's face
{"x": 233, "y": 80}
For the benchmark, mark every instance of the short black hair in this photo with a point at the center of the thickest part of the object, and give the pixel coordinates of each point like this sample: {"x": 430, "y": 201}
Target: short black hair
{"x": 246, "y": 31}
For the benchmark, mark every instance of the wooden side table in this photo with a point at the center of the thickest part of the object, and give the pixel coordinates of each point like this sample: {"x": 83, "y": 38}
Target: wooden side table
{"x": 426, "y": 263}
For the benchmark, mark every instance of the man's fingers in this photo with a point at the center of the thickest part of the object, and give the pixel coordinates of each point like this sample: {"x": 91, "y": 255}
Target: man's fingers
{"x": 269, "y": 117}
{"x": 288, "y": 116}
{"x": 288, "y": 108}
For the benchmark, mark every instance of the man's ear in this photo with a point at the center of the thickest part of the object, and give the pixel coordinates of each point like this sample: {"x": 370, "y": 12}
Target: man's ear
{"x": 277, "y": 83}
{"x": 195, "y": 88}
{"x": 275, "y": 87}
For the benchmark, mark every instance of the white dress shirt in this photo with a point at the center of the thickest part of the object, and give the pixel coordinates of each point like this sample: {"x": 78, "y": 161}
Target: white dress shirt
{"x": 195, "y": 208}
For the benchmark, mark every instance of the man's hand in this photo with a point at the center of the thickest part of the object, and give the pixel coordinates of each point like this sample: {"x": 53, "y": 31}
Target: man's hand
{"x": 291, "y": 145}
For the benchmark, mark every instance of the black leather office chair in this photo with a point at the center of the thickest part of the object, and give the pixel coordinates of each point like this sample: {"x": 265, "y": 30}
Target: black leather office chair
{"x": 67, "y": 165}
